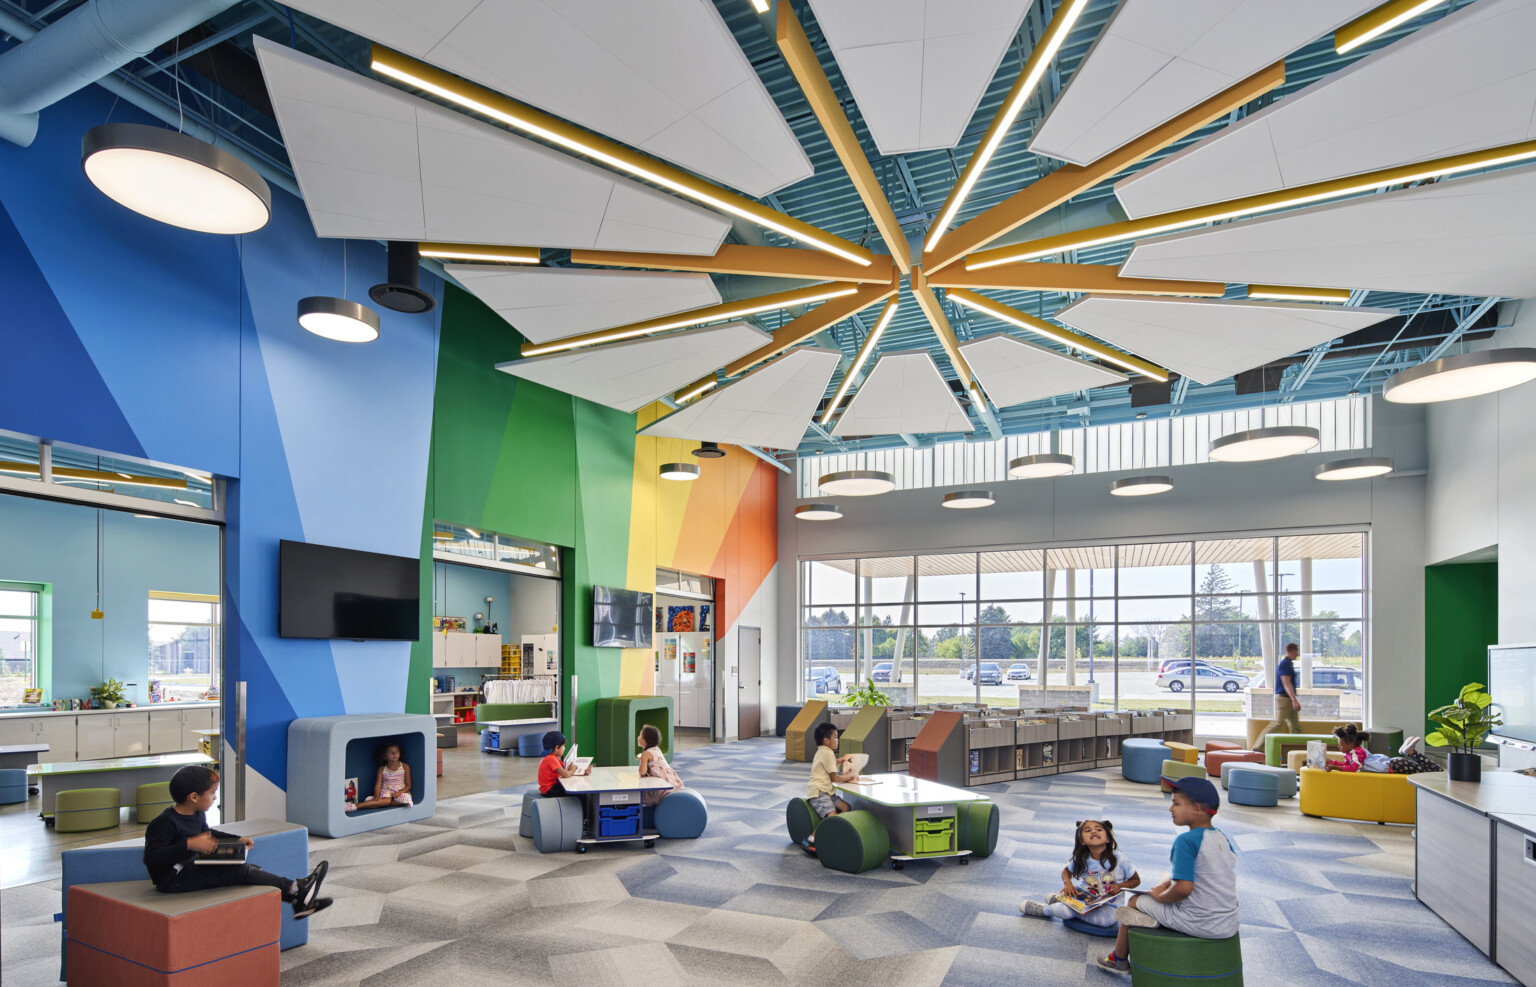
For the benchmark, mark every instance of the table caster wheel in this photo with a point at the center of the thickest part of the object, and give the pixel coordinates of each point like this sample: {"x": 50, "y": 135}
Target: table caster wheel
{"x": 965, "y": 860}
{"x": 897, "y": 865}
{"x": 581, "y": 848}
{"x": 649, "y": 844}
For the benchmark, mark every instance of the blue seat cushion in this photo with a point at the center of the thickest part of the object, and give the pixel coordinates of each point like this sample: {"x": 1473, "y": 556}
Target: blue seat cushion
{"x": 13, "y": 785}
{"x": 1078, "y": 925}
{"x": 682, "y": 815}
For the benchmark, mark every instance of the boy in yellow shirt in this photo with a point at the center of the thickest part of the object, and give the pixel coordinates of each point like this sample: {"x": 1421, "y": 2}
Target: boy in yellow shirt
{"x": 825, "y": 767}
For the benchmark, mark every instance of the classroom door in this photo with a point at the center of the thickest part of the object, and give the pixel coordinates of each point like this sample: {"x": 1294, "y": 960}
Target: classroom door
{"x": 749, "y": 689}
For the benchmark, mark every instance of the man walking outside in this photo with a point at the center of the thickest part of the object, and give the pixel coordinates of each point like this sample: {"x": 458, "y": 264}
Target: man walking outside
{"x": 1287, "y": 703}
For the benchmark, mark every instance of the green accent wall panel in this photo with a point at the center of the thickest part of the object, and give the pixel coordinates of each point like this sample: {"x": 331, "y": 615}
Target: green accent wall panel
{"x": 1461, "y": 619}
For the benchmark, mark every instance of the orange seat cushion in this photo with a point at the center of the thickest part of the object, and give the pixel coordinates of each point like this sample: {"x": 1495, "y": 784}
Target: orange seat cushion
{"x": 1215, "y": 759}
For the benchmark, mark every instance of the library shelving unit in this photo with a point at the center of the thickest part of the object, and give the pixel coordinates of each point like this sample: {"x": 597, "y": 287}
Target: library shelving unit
{"x": 1179, "y": 727}
{"x": 938, "y": 752}
{"x": 1075, "y": 737}
{"x": 990, "y": 747}
{"x": 1109, "y": 730}
{"x": 800, "y": 738}
{"x": 1147, "y": 724}
{"x": 1035, "y": 735}
{"x": 868, "y": 732}
{"x": 905, "y": 724}
{"x": 842, "y": 716}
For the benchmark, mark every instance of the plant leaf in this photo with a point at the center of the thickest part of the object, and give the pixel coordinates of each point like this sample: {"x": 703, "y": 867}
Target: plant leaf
{"x": 1436, "y": 738}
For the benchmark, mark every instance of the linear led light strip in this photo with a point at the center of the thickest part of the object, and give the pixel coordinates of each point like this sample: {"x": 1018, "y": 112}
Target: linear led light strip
{"x": 472, "y": 252}
{"x": 1023, "y": 321}
{"x": 714, "y": 313}
{"x": 1023, "y": 88}
{"x": 1286, "y": 293}
{"x": 870, "y": 342}
{"x": 696, "y": 390}
{"x": 414, "y": 73}
{"x": 1384, "y": 18}
{"x": 1266, "y": 202}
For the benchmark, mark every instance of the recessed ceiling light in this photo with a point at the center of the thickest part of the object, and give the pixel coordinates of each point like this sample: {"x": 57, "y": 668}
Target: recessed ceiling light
{"x": 818, "y": 512}
{"x": 679, "y": 471}
{"x": 1141, "y": 486}
{"x": 175, "y": 179}
{"x": 857, "y": 483}
{"x": 962, "y": 500}
{"x": 1041, "y": 464}
{"x": 1465, "y": 375}
{"x": 1360, "y": 468}
{"x": 1257, "y": 444}
{"x": 338, "y": 319}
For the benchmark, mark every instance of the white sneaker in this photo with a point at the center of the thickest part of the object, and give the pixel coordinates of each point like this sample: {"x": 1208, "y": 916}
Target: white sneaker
{"x": 1126, "y": 915}
{"x": 1033, "y": 909}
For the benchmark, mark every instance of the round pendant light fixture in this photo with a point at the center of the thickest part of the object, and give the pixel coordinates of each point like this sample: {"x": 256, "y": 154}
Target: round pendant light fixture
{"x": 709, "y": 450}
{"x": 1360, "y": 468}
{"x": 1141, "y": 486}
{"x": 175, "y": 179}
{"x": 1465, "y": 375}
{"x": 1257, "y": 444}
{"x": 857, "y": 483}
{"x": 1041, "y": 465}
{"x": 338, "y": 319}
{"x": 962, "y": 500}
{"x": 679, "y": 471}
{"x": 818, "y": 512}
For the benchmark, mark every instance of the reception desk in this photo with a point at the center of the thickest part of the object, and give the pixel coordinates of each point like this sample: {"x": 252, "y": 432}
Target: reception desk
{"x": 1475, "y": 862}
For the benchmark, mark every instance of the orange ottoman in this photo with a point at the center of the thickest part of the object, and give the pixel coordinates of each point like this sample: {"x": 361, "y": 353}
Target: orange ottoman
{"x": 1222, "y": 745}
{"x": 1215, "y": 759}
{"x": 129, "y": 935}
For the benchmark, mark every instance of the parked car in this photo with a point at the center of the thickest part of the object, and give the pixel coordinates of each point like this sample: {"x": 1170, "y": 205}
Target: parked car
{"x": 1168, "y": 664}
{"x": 1331, "y": 677}
{"x": 882, "y": 672}
{"x": 1019, "y": 670}
{"x": 988, "y": 672}
{"x": 1211, "y": 678}
{"x": 822, "y": 679}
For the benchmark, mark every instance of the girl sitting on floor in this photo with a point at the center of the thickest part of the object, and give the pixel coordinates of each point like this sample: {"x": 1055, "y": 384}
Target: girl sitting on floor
{"x": 393, "y": 784}
{"x": 653, "y": 764}
{"x": 1096, "y": 868}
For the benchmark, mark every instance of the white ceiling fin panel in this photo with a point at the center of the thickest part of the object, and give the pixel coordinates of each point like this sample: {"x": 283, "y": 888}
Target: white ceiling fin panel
{"x": 664, "y": 76}
{"x": 545, "y": 303}
{"x": 630, "y": 375}
{"x": 1464, "y": 83}
{"x": 904, "y": 393}
{"x": 771, "y": 407}
{"x": 376, "y": 163}
{"x": 1473, "y": 236}
{"x": 1015, "y": 371}
{"x": 1210, "y": 339}
{"x": 1157, "y": 58}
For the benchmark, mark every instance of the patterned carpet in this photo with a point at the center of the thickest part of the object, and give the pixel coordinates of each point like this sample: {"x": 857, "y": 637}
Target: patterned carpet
{"x": 462, "y": 899}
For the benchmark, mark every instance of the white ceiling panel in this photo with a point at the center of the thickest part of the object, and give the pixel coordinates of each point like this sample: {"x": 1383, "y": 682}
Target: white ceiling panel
{"x": 918, "y": 68}
{"x": 664, "y": 76}
{"x": 545, "y": 303}
{"x": 1157, "y": 58}
{"x": 1015, "y": 371}
{"x": 1473, "y": 236}
{"x": 904, "y": 392}
{"x": 375, "y": 163}
{"x": 1208, "y": 340}
{"x": 771, "y": 407}
{"x": 1464, "y": 83}
{"x": 630, "y": 375}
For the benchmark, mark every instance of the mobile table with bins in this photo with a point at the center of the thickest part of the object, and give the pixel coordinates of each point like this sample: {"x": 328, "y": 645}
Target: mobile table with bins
{"x": 918, "y": 815}
{"x": 610, "y": 799}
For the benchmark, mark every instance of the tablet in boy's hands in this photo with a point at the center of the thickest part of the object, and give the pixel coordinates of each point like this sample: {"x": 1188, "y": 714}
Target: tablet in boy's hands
{"x": 229, "y": 851}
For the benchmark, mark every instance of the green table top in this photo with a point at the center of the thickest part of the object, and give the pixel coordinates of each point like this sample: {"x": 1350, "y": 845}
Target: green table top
{"x": 120, "y": 764}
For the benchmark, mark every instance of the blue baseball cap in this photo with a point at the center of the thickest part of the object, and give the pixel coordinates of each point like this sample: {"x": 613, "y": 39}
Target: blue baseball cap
{"x": 1199, "y": 790}
{"x": 553, "y": 739}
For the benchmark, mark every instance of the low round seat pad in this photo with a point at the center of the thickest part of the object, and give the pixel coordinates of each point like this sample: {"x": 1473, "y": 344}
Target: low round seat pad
{"x": 1286, "y": 780}
{"x": 1104, "y": 931}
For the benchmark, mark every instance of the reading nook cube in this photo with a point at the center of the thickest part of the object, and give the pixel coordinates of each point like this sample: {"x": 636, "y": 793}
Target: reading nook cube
{"x": 619, "y": 719}
{"x": 324, "y": 751}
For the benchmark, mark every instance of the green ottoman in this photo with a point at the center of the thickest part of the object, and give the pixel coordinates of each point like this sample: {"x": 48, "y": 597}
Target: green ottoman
{"x": 1384, "y": 740}
{"x": 976, "y": 828}
{"x": 84, "y": 809}
{"x": 1178, "y": 769}
{"x": 852, "y": 842}
{"x": 151, "y": 800}
{"x": 1277, "y": 745}
{"x": 800, "y": 819}
{"x": 619, "y": 719}
{"x": 1163, "y": 958}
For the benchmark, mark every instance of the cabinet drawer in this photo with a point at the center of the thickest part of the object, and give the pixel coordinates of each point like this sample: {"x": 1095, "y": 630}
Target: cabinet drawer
{"x": 1516, "y": 952}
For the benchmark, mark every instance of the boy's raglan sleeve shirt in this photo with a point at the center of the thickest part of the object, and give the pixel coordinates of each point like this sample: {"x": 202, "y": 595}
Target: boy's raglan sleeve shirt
{"x": 1186, "y": 848}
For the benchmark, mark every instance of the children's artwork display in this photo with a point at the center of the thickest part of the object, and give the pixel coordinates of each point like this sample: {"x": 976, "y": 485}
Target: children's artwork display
{"x": 661, "y": 620}
{"x": 690, "y": 662}
{"x": 704, "y": 610}
{"x": 680, "y": 620}
{"x": 669, "y": 649}
{"x": 349, "y": 794}
{"x": 450, "y": 624}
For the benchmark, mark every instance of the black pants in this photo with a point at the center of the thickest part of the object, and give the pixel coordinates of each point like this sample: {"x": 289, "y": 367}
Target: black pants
{"x": 199, "y": 877}
{"x": 556, "y": 790}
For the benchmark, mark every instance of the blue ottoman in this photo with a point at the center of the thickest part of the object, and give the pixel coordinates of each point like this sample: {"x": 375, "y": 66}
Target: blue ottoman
{"x": 783, "y": 716}
{"x": 556, "y": 823}
{"x": 1259, "y": 788}
{"x": 1141, "y": 759}
{"x": 1104, "y": 931}
{"x": 530, "y": 745}
{"x": 13, "y": 785}
{"x": 1284, "y": 777}
{"x": 682, "y": 815}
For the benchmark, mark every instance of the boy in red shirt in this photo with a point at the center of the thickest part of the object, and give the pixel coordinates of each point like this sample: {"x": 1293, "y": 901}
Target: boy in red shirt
{"x": 552, "y": 768}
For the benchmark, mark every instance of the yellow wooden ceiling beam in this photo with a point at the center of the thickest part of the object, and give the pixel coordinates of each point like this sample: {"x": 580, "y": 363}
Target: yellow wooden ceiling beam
{"x": 807, "y": 70}
{"x": 1069, "y": 180}
{"x": 1101, "y": 279}
{"x": 929, "y": 303}
{"x": 1376, "y": 22}
{"x": 1011, "y": 315}
{"x": 735, "y": 258}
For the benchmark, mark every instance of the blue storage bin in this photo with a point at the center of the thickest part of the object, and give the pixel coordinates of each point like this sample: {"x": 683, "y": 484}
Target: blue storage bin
{"x": 618, "y": 820}
{"x": 530, "y": 745}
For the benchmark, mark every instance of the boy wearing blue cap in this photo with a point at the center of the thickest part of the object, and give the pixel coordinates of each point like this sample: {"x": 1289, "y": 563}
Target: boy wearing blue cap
{"x": 552, "y": 768}
{"x": 1200, "y": 899}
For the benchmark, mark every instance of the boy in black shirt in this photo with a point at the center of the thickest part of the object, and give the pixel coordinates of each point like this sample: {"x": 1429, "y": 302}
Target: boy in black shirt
{"x": 176, "y": 836}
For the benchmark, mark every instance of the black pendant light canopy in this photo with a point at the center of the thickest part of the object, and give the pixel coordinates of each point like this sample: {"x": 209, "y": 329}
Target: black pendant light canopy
{"x": 709, "y": 450}
{"x": 402, "y": 292}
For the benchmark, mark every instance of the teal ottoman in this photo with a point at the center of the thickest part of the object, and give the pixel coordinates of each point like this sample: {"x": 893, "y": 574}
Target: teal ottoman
{"x": 1248, "y": 787}
{"x": 1284, "y": 777}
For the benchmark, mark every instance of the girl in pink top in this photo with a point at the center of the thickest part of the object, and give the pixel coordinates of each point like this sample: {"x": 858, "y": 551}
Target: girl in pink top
{"x": 653, "y": 764}
{"x": 393, "y": 784}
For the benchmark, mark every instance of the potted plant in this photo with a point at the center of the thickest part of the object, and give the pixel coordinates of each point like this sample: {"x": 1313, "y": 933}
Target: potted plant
{"x": 1463, "y": 726}
{"x": 868, "y": 696}
{"x": 110, "y": 693}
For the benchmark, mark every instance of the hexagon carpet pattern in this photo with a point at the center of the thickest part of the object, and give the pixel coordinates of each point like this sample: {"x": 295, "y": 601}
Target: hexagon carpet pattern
{"x": 461, "y": 899}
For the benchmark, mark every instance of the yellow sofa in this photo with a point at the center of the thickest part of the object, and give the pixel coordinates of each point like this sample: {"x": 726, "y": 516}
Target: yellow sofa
{"x": 1296, "y": 760}
{"x": 1364, "y": 795}
{"x": 1256, "y": 727}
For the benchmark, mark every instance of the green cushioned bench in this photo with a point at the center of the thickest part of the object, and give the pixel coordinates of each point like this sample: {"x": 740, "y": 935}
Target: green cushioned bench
{"x": 487, "y": 712}
{"x": 619, "y": 719}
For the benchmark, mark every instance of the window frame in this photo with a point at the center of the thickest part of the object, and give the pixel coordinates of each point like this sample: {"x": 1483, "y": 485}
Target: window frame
{"x": 215, "y": 635}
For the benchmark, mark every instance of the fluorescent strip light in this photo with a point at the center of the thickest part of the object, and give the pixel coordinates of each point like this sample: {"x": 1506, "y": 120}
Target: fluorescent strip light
{"x": 473, "y": 252}
{"x": 761, "y": 6}
{"x": 716, "y": 313}
{"x": 1379, "y": 21}
{"x": 594, "y": 149}
{"x": 1023, "y": 89}
{"x": 1253, "y": 204}
{"x": 1045, "y": 329}
{"x": 870, "y": 342}
{"x": 1285, "y": 293}
{"x": 694, "y": 392}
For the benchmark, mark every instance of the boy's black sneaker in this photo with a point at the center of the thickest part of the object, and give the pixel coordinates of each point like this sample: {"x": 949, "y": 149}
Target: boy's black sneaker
{"x": 320, "y": 905}
{"x": 309, "y": 890}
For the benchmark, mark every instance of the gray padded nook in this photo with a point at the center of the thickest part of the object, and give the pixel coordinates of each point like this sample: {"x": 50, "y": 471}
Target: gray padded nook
{"x": 324, "y": 751}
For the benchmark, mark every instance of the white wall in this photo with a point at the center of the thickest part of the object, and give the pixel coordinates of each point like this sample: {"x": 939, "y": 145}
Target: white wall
{"x": 761, "y": 611}
{"x": 1208, "y": 499}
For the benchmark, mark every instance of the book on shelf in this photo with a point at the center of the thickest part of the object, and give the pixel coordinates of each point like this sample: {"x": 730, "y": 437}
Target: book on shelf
{"x": 1048, "y": 754}
{"x": 975, "y": 762}
{"x": 1018, "y": 759}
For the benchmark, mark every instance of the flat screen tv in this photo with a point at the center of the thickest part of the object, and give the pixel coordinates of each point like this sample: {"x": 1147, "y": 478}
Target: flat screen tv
{"x": 1512, "y": 683}
{"x": 326, "y": 592}
{"x": 621, "y": 618}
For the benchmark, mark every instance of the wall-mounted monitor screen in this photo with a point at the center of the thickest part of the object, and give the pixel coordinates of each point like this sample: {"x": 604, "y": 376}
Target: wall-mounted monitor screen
{"x": 1512, "y": 683}
{"x": 621, "y": 618}
{"x": 326, "y": 592}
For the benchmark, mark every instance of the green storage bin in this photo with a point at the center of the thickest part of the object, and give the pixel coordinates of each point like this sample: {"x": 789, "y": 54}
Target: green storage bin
{"x": 933, "y": 836}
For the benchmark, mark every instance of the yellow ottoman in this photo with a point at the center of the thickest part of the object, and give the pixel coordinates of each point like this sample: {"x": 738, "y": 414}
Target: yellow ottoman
{"x": 1363, "y": 795}
{"x": 1188, "y": 753}
{"x": 1296, "y": 760}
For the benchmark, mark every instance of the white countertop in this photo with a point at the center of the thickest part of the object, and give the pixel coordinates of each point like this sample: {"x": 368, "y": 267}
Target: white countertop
{"x": 146, "y": 707}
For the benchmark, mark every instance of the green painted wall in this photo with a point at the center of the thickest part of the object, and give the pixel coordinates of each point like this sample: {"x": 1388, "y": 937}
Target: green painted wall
{"x": 520, "y": 458}
{"x": 1461, "y": 619}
